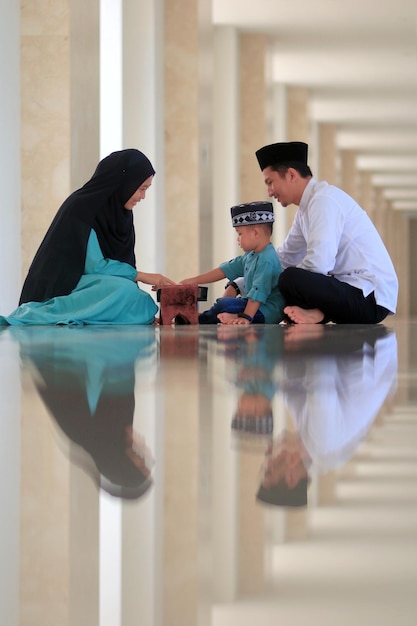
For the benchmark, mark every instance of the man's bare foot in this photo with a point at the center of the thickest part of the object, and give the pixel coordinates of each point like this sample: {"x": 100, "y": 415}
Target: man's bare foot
{"x": 304, "y": 316}
{"x": 296, "y": 334}
{"x": 227, "y": 318}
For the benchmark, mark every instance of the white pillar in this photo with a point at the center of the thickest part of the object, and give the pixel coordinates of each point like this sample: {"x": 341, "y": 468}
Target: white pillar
{"x": 143, "y": 126}
{"x": 225, "y": 146}
{"x": 10, "y": 485}
{"x": 141, "y": 548}
{"x": 279, "y": 133}
{"x": 10, "y": 207}
{"x": 10, "y": 284}
{"x": 224, "y": 521}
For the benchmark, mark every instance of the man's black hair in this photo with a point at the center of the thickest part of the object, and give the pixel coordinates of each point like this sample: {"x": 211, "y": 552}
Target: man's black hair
{"x": 303, "y": 169}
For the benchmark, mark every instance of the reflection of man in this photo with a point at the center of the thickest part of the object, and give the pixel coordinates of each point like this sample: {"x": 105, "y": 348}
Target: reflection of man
{"x": 333, "y": 387}
{"x": 285, "y": 477}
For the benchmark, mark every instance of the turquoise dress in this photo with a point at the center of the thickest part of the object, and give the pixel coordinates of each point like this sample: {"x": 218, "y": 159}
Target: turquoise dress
{"x": 105, "y": 294}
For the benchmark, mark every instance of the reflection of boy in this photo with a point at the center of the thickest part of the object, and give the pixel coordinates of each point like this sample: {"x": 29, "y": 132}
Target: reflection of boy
{"x": 253, "y": 413}
{"x": 263, "y": 302}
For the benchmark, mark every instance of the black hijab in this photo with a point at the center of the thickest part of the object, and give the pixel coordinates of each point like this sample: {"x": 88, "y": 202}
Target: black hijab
{"x": 99, "y": 204}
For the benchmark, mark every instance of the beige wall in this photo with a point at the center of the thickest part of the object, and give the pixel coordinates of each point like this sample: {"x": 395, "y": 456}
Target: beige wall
{"x": 60, "y": 109}
{"x": 412, "y": 234}
{"x": 253, "y": 123}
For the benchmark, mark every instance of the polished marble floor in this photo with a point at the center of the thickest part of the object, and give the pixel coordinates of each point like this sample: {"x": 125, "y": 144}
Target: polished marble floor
{"x": 211, "y": 476}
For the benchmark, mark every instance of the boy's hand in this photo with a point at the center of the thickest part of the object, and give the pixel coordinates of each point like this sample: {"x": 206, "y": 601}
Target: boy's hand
{"x": 188, "y": 281}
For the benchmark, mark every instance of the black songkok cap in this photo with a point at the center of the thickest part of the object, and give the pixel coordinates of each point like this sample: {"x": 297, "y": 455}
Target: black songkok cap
{"x": 252, "y": 213}
{"x": 253, "y": 425}
{"x": 284, "y": 152}
{"x": 282, "y": 495}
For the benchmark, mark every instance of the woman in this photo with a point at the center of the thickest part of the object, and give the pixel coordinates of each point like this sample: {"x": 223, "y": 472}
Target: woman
{"x": 84, "y": 271}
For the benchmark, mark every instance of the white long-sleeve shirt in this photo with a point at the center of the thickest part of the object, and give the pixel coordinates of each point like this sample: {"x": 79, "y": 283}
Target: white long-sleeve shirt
{"x": 332, "y": 234}
{"x": 336, "y": 399}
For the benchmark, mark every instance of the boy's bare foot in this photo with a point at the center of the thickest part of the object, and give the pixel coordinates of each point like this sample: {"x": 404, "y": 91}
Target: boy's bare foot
{"x": 227, "y": 318}
{"x": 304, "y": 316}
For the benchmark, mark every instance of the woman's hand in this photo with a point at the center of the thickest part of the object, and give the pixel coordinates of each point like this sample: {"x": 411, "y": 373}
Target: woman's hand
{"x": 156, "y": 280}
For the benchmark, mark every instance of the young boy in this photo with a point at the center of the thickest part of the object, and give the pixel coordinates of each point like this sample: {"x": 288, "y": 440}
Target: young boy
{"x": 262, "y": 302}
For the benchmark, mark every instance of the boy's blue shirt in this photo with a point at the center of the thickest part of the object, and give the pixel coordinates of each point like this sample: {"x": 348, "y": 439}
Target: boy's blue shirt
{"x": 261, "y": 271}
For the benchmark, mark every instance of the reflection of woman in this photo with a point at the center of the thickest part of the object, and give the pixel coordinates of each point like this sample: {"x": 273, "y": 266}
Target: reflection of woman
{"x": 86, "y": 380}
{"x": 120, "y": 456}
{"x": 84, "y": 270}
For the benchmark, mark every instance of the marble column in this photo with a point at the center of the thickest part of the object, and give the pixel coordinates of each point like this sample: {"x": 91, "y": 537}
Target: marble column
{"x": 187, "y": 136}
{"x": 44, "y": 592}
{"x": 277, "y": 131}
{"x": 10, "y": 272}
{"x": 380, "y": 213}
{"x": 45, "y": 134}
{"x": 327, "y": 170}
{"x": 251, "y": 526}
{"x": 83, "y": 549}
{"x": 412, "y": 262}
{"x": 295, "y": 522}
{"x": 366, "y": 193}
{"x": 327, "y": 153}
{"x": 187, "y": 168}
{"x": 348, "y": 174}
{"x": 253, "y": 49}
{"x": 298, "y": 114}
{"x": 142, "y": 522}
{"x": 289, "y": 121}
{"x": 401, "y": 249}
{"x": 225, "y": 146}
{"x": 60, "y": 109}
{"x": 297, "y": 127}
{"x": 253, "y": 113}
{"x": 83, "y": 85}
{"x": 180, "y": 539}
{"x": 60, "y": 149}
{"x": 10, "y": 467}
{"x": 10, "y": 283}
{"x": 224, "y": 515}
{"x": 143, "y": 122}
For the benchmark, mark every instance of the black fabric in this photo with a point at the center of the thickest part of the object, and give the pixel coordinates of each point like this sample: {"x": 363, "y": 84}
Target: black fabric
{"x": 283, "y": 152}
{"x": 102, "y": 434}
{"x": 99, "y": 204}
{"x": 341, "y": 303}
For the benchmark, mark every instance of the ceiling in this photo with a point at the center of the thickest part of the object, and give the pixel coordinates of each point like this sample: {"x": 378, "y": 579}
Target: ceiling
{"x": 358, "y": 60}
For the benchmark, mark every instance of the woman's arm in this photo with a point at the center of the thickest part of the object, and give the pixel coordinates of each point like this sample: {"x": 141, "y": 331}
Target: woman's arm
{"x": 96, "y": 264}
{"x": 156, "y": 280}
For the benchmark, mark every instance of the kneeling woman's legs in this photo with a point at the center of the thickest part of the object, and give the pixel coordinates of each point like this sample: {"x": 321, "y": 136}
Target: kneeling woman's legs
{"x": 227, "y": 305}
{"x": 338, "y": 301}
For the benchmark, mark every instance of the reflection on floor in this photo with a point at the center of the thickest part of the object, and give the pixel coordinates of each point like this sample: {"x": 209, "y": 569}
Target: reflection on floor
{"x": 209, "y": 476}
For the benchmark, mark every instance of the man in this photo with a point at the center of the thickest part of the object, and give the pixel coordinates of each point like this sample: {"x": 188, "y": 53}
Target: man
{"x": 335, "y": 266}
